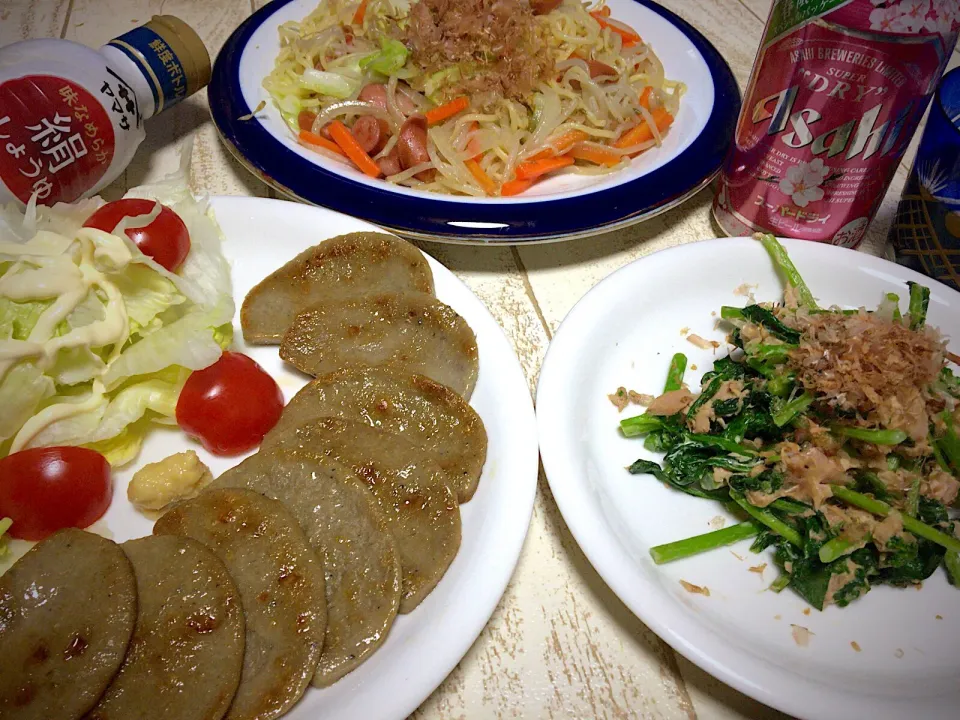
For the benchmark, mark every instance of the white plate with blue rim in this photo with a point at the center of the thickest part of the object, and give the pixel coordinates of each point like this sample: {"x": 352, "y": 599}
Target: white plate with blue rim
{"x": 562, "y": 207}
{"x": 889, "y": 655}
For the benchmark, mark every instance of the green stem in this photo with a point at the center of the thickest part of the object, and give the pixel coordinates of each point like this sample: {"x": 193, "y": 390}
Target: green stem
{"x": 640, "y": 424}
{"x": 895, "y": 299}
{"x": 678, "y": 366}
{"x": 728, "y": 312}
{"x": 938, "y": 455}
{"x": 791, "y": 507}
{"x": 952, "y": 562}
{"x": 769, "y": 519}
{"x": 872, "y": 505}
{"x": 877, "y": 437}
{"x": 949, "y": 445}
{"x": 919, "y": 301}
{"x": 703, "y": 543}
{"x": 781, "y": 384}
{"x": 789, "y": 271}
{"x": 791, "y": 409}
{"x": 834, "y": 549}
{"x": 780, "y": 583}
{"x": 775, "y": 354}
{"x": 912, "y": 505}
{"x": 722, "y": 443}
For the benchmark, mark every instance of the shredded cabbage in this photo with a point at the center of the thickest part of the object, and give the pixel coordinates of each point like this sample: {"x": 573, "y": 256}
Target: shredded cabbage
{"x": 392, "y": 56}
{"x": 329, "y": 83}
{"x": 98, "y": 363}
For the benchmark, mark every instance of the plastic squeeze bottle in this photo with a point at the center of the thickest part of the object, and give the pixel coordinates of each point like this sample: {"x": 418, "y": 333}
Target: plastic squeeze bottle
{"x": 71, "y": 117}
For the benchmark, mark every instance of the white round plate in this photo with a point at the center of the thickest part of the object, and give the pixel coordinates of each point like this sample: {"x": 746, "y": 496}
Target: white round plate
{"x": 561, "y": 207}
{"x": 624, "y": 332}
{"x": 424, "y": 646}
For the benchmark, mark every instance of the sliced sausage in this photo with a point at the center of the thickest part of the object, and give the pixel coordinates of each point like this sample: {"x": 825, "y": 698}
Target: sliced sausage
{"x": 412, "y": 145}
{"x": 542, "y": 7}
{"x": 305, "y": 120}
{"x": 389, "y": 164}
{"x": 600, "y": 69}
{"x": 374, "y": 93}
{"x": 370, "y": 133}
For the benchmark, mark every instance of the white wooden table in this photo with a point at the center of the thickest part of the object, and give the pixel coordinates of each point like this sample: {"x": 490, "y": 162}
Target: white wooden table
{"x": 560, "y": 644}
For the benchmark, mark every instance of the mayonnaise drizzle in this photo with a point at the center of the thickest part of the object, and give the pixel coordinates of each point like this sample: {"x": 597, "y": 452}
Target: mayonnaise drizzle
{"x": 49, "y": 415}
{"x": 54, "y": 266}
{"x": 54, "y": 277}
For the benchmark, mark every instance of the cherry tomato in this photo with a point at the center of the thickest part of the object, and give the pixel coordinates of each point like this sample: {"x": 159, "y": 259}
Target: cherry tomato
{"x": 47, "y": 489}
{"x": 230, "y": 405}
{"x": 166, "y": 239}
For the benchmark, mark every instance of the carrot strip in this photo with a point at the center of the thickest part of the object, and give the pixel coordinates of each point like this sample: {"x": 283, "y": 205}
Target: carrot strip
{"x": 627, "y": 34}
{"x": 447, "y": 110}
{"x": 645, "y": 97}
{"x": 595, "y": 155}
{"x": 351, "y": 148}
{"x": 314, "y": 139}
{"x": 361, "y": 13}
{"x": 488, "y": 185}
{"x": 532, "y": 169}
{"x": 642, "y": 132}
{"x": 514, "y": 187}
{"x": 605, "y": 11}
{"x": 560, "y": 145}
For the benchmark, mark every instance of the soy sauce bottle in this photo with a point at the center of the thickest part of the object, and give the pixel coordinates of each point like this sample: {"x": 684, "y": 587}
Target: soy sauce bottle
{"x": 71, "y": 117}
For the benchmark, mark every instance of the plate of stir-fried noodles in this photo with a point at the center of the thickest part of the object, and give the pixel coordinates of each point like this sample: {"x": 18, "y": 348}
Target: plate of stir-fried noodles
{"x": 483, "y": 120}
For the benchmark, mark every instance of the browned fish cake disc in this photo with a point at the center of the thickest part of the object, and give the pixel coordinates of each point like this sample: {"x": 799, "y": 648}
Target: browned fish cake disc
{"x": 411, "y": 332}
{"x": 343, "y": 524}
{"x": 423, "y": 412}
{"x": 67, "y": 612}
{"x": 185, "y": 658}
{"x": 281, "y": 588}
{"x": 350, "y": 264}
{"x": 421, "y": 511}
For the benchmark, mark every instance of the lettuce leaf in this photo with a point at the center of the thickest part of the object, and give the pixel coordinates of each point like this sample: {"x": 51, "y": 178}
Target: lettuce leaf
{"x": 146, "y": 294}
{"x": 18, "y": 318}
{"x": 107, "y": 423}
{"x": 204, "y": 277}
{"x": 124, "y": 448}
{"x": 5, "y": 524}
{"x": 188, "y": 342}
{"x": 76, "y": 365}
{"x": 108, "y": 396}
{"x": 22, "y": 390}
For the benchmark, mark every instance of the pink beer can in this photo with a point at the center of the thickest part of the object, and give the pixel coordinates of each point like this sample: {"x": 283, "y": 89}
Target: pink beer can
{"x": 837, "y": 91}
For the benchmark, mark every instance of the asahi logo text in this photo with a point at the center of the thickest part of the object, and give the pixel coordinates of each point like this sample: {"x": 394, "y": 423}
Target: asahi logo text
{"x": 858, "y": 136}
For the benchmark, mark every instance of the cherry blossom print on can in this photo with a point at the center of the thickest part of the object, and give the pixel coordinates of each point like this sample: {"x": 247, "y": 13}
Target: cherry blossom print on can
{"x": 837, "y": 90}
{"x": 56, "y": 140}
